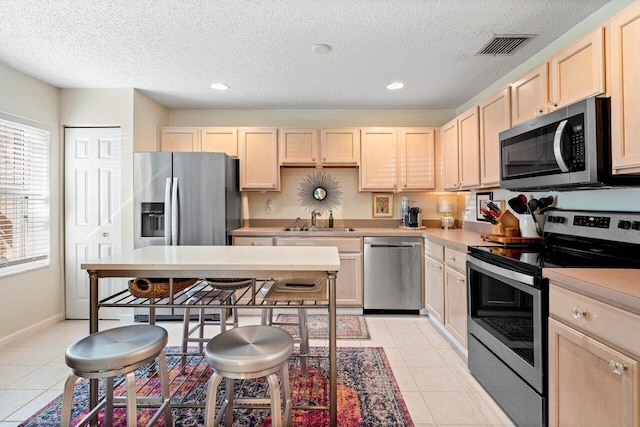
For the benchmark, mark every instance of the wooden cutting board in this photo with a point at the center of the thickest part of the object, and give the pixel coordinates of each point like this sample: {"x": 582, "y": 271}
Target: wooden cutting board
{"x": 510, "y": 240}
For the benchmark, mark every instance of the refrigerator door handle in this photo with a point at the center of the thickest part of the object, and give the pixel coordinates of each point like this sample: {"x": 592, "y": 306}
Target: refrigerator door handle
{"x": 175, "y": 212}
{"x": 167, "y": 212}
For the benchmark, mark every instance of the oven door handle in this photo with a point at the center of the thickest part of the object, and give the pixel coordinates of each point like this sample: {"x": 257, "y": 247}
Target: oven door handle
{"x": 503, "y": 272}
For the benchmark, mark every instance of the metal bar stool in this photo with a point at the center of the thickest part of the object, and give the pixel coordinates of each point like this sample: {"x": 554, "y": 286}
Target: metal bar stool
{"x": 219, "y": 292}
{"x": 114, "y": 352}
{"x": 244, "y": 353}
{"x": 293, "y": 292}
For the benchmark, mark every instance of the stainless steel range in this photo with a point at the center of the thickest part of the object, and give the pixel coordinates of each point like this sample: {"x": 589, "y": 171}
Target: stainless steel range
{"x": 509, "y": 300}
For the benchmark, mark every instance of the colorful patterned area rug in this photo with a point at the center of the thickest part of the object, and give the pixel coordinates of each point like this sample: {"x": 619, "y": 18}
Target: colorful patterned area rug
{"x": 347, "y": 327}
{"x": 368, "y": 394}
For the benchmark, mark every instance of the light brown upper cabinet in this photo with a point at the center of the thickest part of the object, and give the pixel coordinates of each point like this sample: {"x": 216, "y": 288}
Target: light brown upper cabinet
{"x": 449, "y": 144}
{"x": 258, "y": 152}
{"x": 298, "y": 147}
{"x": 179, "y": 139}
{"x": 378, "y": 163}
{"x": 416, "y": 159}
{"x": 335, "y": 147}
{"x": 340, "y": 147}
{"x": 578, "y": 71}
{"x": 461, "y": 151}
{"x": 625, "y": 88}
{"x": 219, "y": 140}
{"x": 530, "y": 94}
{"x": 495, "y": 116}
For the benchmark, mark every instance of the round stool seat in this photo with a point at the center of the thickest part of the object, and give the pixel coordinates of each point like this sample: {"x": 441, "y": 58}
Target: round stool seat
{"x": 116, "y": 348}
{"x": 249, "y": 349}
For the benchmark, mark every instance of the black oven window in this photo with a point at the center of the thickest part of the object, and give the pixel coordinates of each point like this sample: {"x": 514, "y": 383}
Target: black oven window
{"x": 506, "y": 313}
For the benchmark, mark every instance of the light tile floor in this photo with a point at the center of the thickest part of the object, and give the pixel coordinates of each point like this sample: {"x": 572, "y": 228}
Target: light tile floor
{"x": 433, "y": 378}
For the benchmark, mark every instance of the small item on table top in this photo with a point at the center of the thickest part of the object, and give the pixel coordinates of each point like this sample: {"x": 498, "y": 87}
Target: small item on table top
{"x": 330, "y": 219}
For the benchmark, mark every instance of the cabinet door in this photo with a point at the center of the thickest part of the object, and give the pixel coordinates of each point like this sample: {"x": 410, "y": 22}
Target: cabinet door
{"x": 435, "y": 289}
{"x": 349, "y": 281}
{"x": 495, "y": 116}
{"x": 340, "y": 147}
{"x": 179, "y": 139}
{"x": 220, "y": 140}
{"x": 258, "y": 150}
{"x": 298, "y": 147}
{"x": 469, "y": 148}
{"x": 577, "y": 71}
{"x": 417, "y": 158}
{"x": 625, "y": 87}
{"x": 530, "y": 94}
{"x": 449, "y": 138}
{"x": 590, "y": 384}
{"x": 455, "y": 304}
{"x": 378, "y": 168}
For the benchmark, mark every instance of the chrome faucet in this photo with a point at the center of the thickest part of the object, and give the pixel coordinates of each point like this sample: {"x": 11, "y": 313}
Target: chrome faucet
{"x": 314, "y": 214}
{"x": 297, "y": 224}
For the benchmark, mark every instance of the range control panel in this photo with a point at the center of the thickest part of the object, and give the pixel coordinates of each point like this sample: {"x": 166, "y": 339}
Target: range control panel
{"x": 614, "y": 226}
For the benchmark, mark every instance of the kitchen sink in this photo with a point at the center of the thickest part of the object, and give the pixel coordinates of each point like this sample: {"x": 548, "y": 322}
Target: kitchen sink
{"x": 316, "y": 229}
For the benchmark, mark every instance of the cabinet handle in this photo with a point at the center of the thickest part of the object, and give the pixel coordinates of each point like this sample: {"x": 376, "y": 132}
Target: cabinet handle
{"x": 252, "y": 244}
{"x": 324, "y": 159}
{"x": 551, "y": 105}
{"x": 617, "y": 367}
{"x": 105, "y": 234}
{"x": 452, "y": 258}
{"x": 313, "y": 159}
{"x": 459, "y": 280}
{"x": 438, "y": 268}
{"x": 537, "y": 111}
{"x": 273, "y": 186}
{"x": 578, "y": 313}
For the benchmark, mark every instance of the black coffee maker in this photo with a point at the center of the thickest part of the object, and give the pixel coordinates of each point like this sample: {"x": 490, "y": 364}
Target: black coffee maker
{"x": 412, "y": 219}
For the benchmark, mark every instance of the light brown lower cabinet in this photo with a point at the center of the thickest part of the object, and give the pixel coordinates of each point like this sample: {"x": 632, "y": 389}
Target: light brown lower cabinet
{"x": 590, "y": 383}
{"x": 455, "y": 297}
{"x": 435, "y": 289}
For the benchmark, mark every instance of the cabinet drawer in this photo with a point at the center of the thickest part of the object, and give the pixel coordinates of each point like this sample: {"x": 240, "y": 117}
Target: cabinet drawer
{"x": 455, "y": 259}
{"x": 434, "y": 250}
{"x": 343, "y": 244}
{"x": 617, "y": 326}
{"x": 253, "y": 241}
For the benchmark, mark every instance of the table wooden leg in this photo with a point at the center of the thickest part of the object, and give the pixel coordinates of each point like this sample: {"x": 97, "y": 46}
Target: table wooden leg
{"x": 333, "y": 368}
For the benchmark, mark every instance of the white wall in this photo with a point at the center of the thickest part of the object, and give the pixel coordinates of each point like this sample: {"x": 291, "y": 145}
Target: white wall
{"x": 36, "y": 296}
{"x": 148, "y": 115}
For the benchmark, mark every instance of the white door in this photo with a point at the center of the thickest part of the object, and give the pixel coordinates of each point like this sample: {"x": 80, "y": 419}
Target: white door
{"x": 92, "y": 213}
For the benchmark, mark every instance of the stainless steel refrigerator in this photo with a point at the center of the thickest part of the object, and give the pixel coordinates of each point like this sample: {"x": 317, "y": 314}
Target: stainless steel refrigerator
{"x": 184, "y": 199}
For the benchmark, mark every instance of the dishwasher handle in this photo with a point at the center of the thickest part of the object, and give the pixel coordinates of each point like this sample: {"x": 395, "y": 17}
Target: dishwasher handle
{"x": 391, "y": 245}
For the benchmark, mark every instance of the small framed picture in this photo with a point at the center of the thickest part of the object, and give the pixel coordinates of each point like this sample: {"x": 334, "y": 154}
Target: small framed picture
{"x": 382, "y": 205}
{"x": 481, "y": 202}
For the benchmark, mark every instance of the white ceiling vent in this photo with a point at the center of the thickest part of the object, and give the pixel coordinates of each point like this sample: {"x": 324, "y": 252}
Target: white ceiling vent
{"x": 505, "y": 44}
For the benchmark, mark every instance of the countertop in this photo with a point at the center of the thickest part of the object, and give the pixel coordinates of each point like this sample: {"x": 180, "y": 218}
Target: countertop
{"x": 220, "y": 259}
{"x": 618, "y": 287}
{"x": 456, "y": 238}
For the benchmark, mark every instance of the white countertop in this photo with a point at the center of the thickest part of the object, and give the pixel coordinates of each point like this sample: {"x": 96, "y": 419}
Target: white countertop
{"x": 221, "y": 258}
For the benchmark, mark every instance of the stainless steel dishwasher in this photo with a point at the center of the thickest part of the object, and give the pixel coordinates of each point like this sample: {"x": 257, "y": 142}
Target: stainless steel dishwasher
{"x": 392, "y": 274}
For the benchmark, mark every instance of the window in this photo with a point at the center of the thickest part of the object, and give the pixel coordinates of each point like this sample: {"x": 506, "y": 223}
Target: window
{"x": 24, "y": 197}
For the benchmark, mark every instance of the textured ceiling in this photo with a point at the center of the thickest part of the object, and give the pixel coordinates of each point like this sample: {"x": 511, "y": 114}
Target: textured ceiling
{"x": 174, "y": 50}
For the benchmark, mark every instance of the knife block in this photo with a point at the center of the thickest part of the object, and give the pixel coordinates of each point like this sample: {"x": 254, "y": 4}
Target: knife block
{"x": 508, "y": 225}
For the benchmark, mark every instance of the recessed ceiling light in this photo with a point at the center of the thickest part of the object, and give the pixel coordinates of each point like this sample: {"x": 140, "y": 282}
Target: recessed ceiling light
{"x": 219, "y": 86}
{"x": 395, "y": 86}
{"x": 321, "y": 49}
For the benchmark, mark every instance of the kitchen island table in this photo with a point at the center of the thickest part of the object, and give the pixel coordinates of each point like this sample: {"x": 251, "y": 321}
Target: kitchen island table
{"x": 221, "y": 262}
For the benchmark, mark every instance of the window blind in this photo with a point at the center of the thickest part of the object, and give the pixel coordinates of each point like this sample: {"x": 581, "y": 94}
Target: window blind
{"x": 24, "y": 197}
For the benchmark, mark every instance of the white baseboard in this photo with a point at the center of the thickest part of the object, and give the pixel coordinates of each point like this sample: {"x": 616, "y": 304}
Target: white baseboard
{"x": 448, "y": 335}
{"x": 32, "y": 329}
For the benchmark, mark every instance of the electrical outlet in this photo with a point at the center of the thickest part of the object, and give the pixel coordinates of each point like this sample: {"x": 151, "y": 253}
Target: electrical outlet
{"x": 269, "y": 207}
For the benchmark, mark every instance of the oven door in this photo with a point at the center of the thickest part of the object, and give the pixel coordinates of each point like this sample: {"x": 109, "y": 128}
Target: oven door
{"x": 507, "y": 315}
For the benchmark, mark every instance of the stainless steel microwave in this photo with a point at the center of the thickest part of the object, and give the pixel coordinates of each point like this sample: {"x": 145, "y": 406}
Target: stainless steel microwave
{"x": 567, "y": 149}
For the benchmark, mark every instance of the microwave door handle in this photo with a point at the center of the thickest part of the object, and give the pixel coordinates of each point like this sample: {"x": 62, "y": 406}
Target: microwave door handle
{"x": 557, "y": 146}
{"x": 167, "y": 212}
